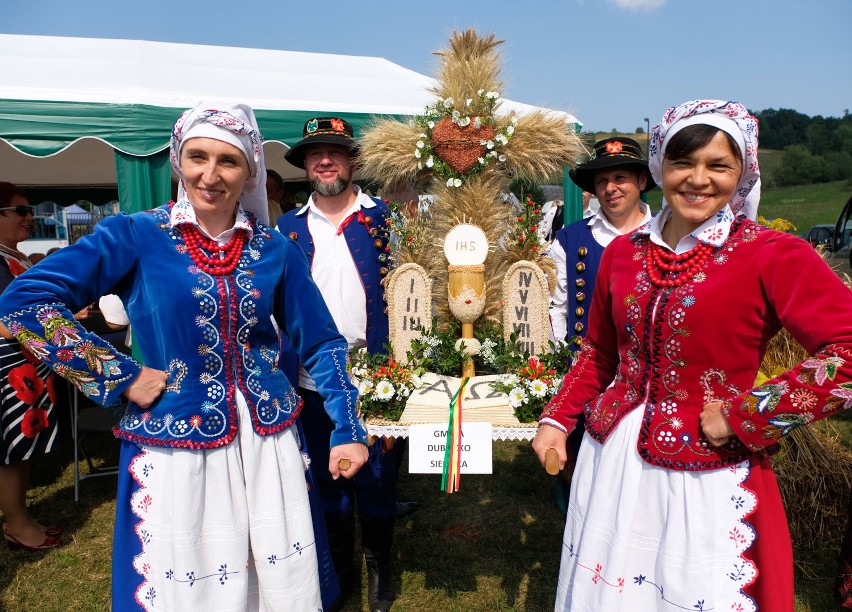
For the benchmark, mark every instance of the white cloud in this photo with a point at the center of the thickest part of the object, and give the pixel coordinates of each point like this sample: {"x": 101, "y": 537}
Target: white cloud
{"x": 639, "y": 5}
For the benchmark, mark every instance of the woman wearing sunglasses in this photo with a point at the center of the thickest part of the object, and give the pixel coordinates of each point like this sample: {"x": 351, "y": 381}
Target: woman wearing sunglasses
{"x": 27, "y": 417}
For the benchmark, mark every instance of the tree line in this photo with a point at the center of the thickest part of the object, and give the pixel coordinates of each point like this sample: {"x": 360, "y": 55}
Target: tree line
{"x": 814, "y": 149}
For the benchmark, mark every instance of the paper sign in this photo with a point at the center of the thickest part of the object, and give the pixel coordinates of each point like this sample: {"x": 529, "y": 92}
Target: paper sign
{"x": 427, "y": 445}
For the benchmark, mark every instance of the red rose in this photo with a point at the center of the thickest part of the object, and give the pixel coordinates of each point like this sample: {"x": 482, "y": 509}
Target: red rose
{"x": 26, "y": 383}
{"x": 35, "y": 419}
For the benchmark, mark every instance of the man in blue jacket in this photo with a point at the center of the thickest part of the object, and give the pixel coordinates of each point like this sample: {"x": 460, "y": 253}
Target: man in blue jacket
{"x": 343, "y": 233}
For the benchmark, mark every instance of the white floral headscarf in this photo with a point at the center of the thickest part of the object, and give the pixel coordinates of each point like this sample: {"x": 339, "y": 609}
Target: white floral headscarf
{"x": 237, "y": 126}
{"x": 732, "y": 118}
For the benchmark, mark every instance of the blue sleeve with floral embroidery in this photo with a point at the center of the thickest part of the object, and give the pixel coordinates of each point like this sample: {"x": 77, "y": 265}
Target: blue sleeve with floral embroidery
{"x": 308, "y": 324}
{"x": 37, "y": 308}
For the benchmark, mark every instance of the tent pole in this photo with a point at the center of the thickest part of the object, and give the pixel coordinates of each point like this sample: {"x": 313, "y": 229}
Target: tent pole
{"x": 571, "y": 194}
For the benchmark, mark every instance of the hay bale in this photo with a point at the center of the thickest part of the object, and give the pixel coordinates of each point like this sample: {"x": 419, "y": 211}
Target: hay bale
{"x": 813, "y": 470}
{"x": 813, "y": 467}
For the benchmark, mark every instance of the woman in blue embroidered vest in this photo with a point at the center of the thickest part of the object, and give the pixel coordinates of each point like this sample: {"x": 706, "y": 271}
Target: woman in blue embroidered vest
{"x": 212, "y": 510}
{"x": 674, "y": 504}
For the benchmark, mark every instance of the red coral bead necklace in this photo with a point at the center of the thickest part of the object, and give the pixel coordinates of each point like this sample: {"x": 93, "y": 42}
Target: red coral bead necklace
{"x": 218, "y": 259}
{"x": 686, "y": 264}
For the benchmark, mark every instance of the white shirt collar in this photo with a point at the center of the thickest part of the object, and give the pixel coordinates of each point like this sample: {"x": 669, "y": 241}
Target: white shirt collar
{"x": 605, "y": 232}
{"x": 713, "y": 231}
{"x": 182, "y": 212}
{"x": 362, "y": 200}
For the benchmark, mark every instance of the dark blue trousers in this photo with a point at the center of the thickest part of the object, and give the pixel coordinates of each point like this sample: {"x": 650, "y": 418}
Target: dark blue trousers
{"x": 372, "y": 490}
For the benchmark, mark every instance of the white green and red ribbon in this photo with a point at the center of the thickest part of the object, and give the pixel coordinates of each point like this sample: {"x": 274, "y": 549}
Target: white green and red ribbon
{"x": 452, "y": 453}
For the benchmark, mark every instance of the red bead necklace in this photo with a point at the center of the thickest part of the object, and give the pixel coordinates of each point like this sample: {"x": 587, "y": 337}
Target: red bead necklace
{"x": 222, "y": 259}
{"x": 685, "y": 264}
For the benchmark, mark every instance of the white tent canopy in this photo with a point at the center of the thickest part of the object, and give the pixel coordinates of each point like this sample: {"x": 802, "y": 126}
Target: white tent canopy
{"x": 101, "y": 95}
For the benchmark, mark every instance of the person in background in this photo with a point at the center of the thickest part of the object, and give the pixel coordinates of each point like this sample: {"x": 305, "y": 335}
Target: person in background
{"x": 673, "y": 499}
{"x": 590, "y": 204}
{"x": 274, "y": 193}
{"x": 617, "y": 175}
{"x": 212, "y": 510}
{"x": 343, "y": 234}
{"x": 27, "y": 412}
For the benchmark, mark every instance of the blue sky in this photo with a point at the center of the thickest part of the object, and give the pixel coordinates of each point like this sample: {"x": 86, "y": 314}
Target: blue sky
{"x": 610, "y": 62}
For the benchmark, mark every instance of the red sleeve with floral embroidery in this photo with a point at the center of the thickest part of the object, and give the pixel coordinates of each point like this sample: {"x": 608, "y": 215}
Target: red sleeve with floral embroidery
{"x": 815, "y": 306}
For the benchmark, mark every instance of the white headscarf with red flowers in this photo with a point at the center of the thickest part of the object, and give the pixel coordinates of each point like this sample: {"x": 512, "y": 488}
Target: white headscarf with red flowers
{"x": 237, "y": 126}
{"x": 732, "y": 118}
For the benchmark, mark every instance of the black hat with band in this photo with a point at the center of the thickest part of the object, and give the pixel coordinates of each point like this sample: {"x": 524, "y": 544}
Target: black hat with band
{"x": 610, "y": 153}
{"x": 322, "y": 130}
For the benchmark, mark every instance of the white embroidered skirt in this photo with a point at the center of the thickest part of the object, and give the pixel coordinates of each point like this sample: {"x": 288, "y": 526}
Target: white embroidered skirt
{"x": 642, "y": 538}
{"x": 227, "y": 529}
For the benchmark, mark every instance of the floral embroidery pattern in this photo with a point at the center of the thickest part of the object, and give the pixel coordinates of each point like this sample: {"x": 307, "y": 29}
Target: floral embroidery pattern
{"x": 699, "y": 604}
{"x": 597, "y": 572}
{"x": 57, "y": 329}
{"x": 765, "y": 399}
{"x": 222, "y": 574}
{"x": 818, "y": 371}
{"x": 297, "y": 550}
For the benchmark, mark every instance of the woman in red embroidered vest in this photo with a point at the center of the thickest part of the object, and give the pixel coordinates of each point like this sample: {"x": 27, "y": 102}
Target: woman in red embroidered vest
{"x": 212, "y": 511}
{"x": 26, "y": 394}
{"x": 674, "y": 504}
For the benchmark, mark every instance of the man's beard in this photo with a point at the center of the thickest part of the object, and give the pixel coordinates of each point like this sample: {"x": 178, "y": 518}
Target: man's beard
{"x": 329, "y": 190}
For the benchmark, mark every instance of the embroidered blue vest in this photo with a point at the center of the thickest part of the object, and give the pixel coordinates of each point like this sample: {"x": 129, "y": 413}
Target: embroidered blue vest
{"x": 368, "y": 244}
{"x": 582, "y": 258}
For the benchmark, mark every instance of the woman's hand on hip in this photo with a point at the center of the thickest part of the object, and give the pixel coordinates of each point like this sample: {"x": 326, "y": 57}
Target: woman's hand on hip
{"x": 147, "y": 387}
{"x": 715, "y": 425}
{"x": 354, "y": 453}
{"x": 548, "y": 437}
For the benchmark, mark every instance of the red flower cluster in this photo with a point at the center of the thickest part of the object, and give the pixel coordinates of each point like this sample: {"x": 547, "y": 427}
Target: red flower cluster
{"x": 534, "y": 370}
{"x": 388, "y": 371}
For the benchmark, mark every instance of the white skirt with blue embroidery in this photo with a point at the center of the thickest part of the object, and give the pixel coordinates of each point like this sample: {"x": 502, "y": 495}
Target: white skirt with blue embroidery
{"x": 226, "y": 529}
{"x": 642, "y": 538}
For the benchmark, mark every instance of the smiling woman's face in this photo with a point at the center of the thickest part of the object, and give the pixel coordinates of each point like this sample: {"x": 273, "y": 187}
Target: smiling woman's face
{"x": 699, "y": 184}
{"x": 214, "y": 173}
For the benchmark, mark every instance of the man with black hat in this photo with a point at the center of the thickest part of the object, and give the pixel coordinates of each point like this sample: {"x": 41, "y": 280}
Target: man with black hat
{"x": 618, "y": 175}
{"x": 344, "y": 236}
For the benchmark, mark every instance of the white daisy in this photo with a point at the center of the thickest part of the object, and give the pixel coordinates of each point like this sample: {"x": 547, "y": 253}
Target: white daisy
{"x": 537, "y": 388}
{"x": 384, "y": 390}
{"x": 517, "y": 397}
